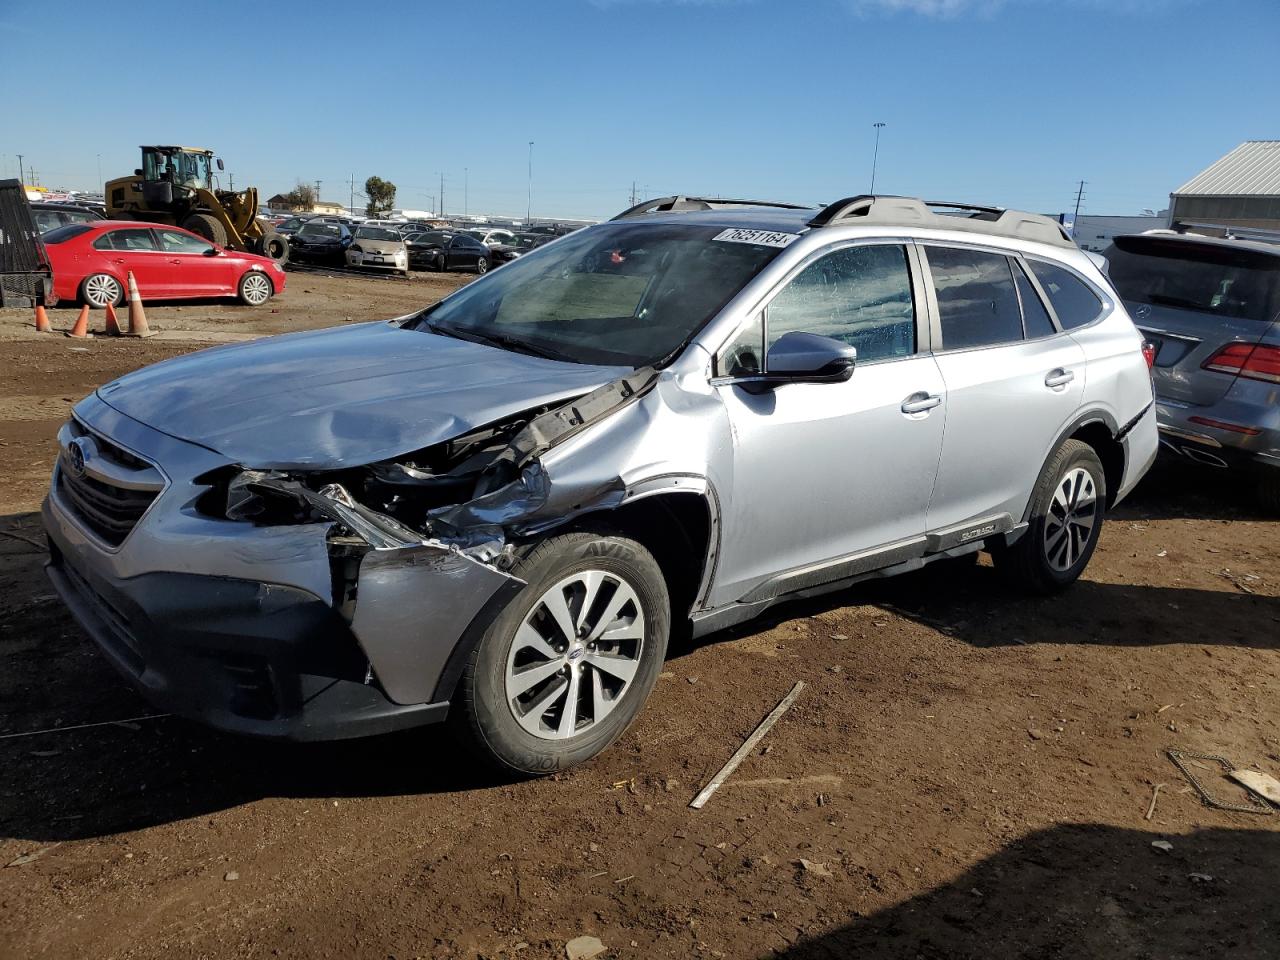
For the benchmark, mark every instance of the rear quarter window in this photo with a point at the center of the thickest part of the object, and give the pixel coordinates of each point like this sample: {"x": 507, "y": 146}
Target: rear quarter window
{"x": 1073, "y": 301}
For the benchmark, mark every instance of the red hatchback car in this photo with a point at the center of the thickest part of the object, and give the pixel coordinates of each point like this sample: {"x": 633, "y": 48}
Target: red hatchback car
{"x": 92, "y": 261}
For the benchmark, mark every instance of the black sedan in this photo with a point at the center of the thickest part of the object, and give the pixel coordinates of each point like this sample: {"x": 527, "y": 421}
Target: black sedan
{"x": 321, "y": 243}
{"x": 439, "y": 250}
{"x": 50, "y": 215}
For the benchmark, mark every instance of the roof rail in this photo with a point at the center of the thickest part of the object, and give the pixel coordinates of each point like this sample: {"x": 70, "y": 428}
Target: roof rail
{"x": 683, "y": 203}
{"x": 908, "y": 211}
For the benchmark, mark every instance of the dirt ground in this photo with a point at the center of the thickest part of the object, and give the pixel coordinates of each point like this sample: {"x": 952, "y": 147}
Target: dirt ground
{"x": 967, "y": 774}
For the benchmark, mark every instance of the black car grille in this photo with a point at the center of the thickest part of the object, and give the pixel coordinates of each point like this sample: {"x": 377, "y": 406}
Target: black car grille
{"x": 109, "y": 511}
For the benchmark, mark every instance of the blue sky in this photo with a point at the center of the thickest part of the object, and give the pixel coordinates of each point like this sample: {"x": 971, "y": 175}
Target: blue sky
{"x": 1000, "y": 101}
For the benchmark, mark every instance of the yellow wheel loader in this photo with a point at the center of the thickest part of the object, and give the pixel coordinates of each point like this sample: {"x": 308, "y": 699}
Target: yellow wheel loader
{"x": 175, "y": 186}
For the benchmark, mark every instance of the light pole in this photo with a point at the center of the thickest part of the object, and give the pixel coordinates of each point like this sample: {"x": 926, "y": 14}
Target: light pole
{"x": 466, "y": 177}
{"x": 100, "y": 169}
{"x": 528, "y": 213}
{"x": 875, "y": 156}
{"x": 20, "y": 177}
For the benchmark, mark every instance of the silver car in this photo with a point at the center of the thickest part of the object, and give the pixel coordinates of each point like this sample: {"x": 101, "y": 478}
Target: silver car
{"x": 378, "y": 248}
{"x": 500, "y": 508}
{"x": 1211, "y": 308}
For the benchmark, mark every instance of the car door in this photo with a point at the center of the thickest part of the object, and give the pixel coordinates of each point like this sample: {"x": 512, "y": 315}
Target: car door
{"x": 831, "y": 479}
{"x": 135, "y": 250}
{"x": 1013, "y": 382}
{"x": 189, "y": 271}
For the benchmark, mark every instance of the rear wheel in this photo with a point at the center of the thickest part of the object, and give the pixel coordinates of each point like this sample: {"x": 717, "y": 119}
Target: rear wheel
{"x": 255, "y": 288}
{"x": 100, "y": 289}
{"x": 566, "y": 667}
{"x": 1067, "y": 508}
{"x": 208, "y": 226}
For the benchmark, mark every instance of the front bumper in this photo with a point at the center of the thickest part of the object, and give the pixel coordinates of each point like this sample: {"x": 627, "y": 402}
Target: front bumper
{"x": 244, "y": 657}
{"x": 358, "y": 260}
{"x": 234, "y": 625}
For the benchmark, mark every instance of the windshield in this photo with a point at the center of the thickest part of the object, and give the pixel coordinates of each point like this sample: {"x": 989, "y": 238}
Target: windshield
{"x": 320, "y": 230}
{"x": 624, "y": 293}
{"x": 377, "y": 233}
{"x": 1206, "y": 277}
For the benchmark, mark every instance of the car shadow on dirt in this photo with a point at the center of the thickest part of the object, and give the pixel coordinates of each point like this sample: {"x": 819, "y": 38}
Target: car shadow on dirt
{"x": 1083, "y": 891}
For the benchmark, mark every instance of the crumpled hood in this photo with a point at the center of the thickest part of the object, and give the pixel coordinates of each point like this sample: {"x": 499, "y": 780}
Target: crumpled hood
{"x": 342, "y": 397}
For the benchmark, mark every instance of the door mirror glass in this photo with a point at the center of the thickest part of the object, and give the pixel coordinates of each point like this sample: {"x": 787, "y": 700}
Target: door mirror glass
{"x": 809, "y": 358}
{"x": 211, "y": 252}
{"x": 220, "y": 166}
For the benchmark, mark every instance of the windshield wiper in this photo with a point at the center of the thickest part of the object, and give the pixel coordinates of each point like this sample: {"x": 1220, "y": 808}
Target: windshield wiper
{"x": 508, "y": 342}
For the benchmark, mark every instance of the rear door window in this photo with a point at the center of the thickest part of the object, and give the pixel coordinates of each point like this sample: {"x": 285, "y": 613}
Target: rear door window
{"x": 134, "y": 239}
{"x": 977, "y": 300}
{"x": 1073, "y": 301}
{"x": 859, "y": 295}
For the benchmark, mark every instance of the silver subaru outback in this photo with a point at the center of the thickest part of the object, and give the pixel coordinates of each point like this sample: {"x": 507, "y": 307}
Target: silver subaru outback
{"x": 500, "y": 508}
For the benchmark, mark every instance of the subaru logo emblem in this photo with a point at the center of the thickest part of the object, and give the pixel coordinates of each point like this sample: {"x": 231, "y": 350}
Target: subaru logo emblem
{"x": 75, "y": 457}
{"x": 575, "y": 653}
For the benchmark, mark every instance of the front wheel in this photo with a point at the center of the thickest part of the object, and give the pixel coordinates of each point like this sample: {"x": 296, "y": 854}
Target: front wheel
{"x": 255, "y": 288}
{"x": 482, "y": 265}
{"x": 440, "y": 263}
{"x": 1067, "y": 509}
{"x": 566, "y": 667}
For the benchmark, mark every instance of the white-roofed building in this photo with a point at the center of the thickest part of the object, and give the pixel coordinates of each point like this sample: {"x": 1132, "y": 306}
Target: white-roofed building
{"x": 1242, "y": 189}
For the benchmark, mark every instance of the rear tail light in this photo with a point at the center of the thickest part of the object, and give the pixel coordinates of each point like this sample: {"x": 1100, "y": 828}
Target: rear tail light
{"x": 1224, "y": 425}
{"x": 1255, "y": 362}
{"x": 1149, "y": 353}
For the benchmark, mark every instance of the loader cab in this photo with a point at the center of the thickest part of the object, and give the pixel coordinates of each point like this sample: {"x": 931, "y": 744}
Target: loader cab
{"x": 170, "y": 172}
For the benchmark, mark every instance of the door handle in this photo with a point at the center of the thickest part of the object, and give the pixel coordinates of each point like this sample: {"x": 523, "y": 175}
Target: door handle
{"x": 119, "y": 259}
{"x": 175, "y": 260}
{"x": 920, "y": 403}
{"x": 1058, "y": 378}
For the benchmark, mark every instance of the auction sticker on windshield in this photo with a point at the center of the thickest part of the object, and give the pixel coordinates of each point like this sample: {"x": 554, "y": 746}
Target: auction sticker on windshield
{"x": 765, "y": 238}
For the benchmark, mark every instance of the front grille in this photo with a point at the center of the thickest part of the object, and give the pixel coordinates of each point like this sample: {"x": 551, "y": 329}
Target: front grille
{"x": 110, "y": 512}
{"x": 124, "y": 645}
{"x": 106, "y": 509}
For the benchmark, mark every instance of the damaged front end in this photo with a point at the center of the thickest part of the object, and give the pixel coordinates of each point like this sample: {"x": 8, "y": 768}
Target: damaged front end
{"x": 422, "y": 544}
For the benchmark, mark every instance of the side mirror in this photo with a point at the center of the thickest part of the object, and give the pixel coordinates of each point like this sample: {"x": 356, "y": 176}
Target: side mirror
{"x": 211, "y": 252}
{"x": 799, "y": 357}
{"x": 219, "y": 162}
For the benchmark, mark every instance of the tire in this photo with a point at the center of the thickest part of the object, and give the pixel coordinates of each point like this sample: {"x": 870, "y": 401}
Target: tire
{"x": 255, "y": 288}
{"x": 439, "y": 264}
{"x": 517, "y": 722}
{"x": 482, "y": 265}
{"x": 208, "y": 226}
{"x": 95, "y": 290}
{"x": 1051, "y": 554}
{"x": 274, "y": 245}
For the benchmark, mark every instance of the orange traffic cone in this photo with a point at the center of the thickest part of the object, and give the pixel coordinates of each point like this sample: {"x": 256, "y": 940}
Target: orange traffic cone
{"x": 113, "y": 322}
{"x": 137, "y": 319}
{"x": 42, "y": 320}
{"x": 81, "y": 330}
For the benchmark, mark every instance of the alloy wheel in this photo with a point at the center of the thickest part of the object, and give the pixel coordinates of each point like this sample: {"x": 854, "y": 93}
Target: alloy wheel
{"x": 257, "y": 289}
{"x": 575, "y": 655}
{"x": 1071, "y": 520}
{"x": 100, "y": 290}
